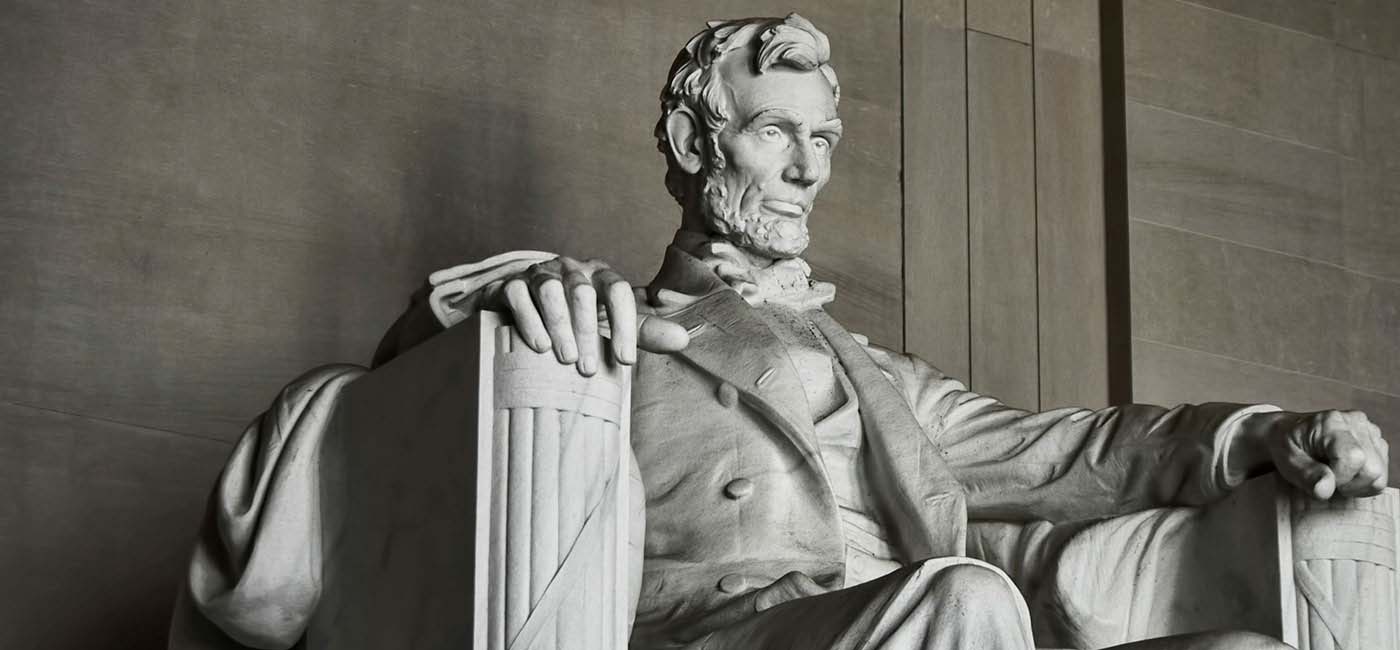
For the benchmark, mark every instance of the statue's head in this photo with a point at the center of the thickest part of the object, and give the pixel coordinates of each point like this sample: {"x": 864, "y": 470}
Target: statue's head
{"x": 748, "y": 124}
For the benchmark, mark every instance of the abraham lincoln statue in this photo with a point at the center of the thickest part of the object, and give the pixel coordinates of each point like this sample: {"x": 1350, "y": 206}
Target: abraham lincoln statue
{"x": 803, "y": 488}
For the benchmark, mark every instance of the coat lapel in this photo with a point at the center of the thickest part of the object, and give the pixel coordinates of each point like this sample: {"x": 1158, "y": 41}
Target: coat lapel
{"x": 737, "y": 347}
{"x": 925, "y": 506}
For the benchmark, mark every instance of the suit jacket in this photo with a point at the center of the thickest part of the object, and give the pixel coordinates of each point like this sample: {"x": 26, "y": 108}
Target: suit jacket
{"x": 737, "y": 494}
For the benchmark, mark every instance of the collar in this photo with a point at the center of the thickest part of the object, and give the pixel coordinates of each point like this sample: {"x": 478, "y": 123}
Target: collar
{"x": 697, "y": 265}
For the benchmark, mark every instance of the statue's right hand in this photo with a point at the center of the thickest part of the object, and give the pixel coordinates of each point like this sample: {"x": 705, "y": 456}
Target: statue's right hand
{"x": 555, "y": 306}
{"x": 792, "y": 586}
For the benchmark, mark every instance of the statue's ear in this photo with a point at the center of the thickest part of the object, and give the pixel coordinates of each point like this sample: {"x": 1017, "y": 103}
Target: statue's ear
{"x": 683, "y": 136}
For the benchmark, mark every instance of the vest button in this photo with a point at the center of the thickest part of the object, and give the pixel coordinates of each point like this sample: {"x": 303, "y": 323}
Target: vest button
{"x": 733, "y": 583}
{"x": 738, "y": 488}
{"x": 728, "y": 394}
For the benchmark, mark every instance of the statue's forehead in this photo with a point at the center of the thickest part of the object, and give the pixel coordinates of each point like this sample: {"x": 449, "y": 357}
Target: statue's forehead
{"x": 804, "y": 91}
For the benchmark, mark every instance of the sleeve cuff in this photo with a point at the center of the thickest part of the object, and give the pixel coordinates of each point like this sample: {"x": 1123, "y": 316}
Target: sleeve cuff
{"x": 1225, "y": 476}
{"x": 454, "y": 290}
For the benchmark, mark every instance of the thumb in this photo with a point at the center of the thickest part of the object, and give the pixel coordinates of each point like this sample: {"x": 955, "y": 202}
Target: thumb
{"x": 1304, "y": 472}
{"x": 1326, "y": 484}
{"x": 659, "y": 335}
{"x": 792, "y": 586}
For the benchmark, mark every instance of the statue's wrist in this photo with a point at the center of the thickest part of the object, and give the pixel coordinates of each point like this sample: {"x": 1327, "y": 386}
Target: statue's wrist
{"x": 1250, "y": 452}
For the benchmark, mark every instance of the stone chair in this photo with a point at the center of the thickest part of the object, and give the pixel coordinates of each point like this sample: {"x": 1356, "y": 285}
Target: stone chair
{"x": 1316, "y": 575}
{"x": 538, "y": 545}
{"x": 503, "y": 522}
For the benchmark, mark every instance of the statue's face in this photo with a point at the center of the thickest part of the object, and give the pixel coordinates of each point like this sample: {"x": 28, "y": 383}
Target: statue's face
{"x": 777, "y": 147}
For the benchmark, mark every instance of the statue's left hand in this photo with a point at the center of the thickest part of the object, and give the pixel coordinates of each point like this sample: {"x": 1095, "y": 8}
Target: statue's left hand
{"x": 1327, "y": 453}
{"x": 555, "y": 305}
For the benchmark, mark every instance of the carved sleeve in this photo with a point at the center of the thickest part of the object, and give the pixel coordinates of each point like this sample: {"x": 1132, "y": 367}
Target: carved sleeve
{"x": 1070, "y": 463}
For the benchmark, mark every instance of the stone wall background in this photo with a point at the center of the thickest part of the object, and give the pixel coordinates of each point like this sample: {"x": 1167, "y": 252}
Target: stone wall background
{"x": 1263, "y": 145}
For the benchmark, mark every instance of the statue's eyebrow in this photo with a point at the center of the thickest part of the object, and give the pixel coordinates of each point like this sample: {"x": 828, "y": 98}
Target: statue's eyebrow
{"x": 832, "y": 125}
{"x": 778, "y": 111}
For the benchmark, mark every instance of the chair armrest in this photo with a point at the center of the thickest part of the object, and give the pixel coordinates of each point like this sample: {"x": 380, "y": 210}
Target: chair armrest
{"x": 1317, "y": 575}
{"x": 478, "y": 495}
{"x": 1343, "y": 571}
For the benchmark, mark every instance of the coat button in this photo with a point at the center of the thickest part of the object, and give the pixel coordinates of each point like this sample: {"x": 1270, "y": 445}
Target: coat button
{"x": 728, "y": 394}
{"x": 738, "y": 488}
{"x": 763, "y": 378}
{"x": 733, "y": 583}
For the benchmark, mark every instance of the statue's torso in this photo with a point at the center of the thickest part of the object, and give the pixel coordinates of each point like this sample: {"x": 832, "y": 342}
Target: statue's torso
{"x": 732, "y": 504}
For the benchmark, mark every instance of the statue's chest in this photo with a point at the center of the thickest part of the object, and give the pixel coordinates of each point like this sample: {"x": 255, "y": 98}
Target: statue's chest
{"x": 811, "y": 358}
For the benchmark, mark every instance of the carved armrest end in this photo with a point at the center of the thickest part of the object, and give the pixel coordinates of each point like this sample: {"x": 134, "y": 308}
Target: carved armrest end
{"x": 1344, "y": 585}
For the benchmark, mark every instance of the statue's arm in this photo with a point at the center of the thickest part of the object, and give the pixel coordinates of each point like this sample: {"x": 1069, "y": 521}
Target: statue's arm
{"x": 556, "y": 302}
{"x": 1072, "y": 463}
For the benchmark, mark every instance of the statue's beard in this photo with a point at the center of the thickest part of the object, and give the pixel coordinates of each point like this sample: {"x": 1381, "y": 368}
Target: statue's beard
{"x": 770, "y": 236}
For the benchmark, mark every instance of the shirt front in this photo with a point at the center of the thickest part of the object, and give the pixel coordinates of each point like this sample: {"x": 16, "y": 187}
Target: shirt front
{"x": 835, "y": 413}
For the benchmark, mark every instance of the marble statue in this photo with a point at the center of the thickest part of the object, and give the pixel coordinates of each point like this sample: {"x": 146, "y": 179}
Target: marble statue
{"x": 803, "y": 487}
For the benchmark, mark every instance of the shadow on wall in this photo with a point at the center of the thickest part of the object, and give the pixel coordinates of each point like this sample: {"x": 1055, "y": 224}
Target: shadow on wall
{"x": 465, "y": 198}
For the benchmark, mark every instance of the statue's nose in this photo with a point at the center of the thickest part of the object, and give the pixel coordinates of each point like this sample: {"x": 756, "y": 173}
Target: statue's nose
{"x": 805, "y": 167}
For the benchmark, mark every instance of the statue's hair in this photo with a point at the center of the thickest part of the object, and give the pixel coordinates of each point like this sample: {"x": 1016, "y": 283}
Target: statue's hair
{"x": 791, "y": 42}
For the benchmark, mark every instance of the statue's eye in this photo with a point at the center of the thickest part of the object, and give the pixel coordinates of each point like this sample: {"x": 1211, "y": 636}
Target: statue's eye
{"x": 822, "y": 144}
{"x": 771, "y": 133}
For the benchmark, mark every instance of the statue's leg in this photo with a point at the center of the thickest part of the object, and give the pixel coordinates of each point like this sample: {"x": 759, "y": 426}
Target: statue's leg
{"x": 941, "y": 604}
{"x": 1208, "y": 641}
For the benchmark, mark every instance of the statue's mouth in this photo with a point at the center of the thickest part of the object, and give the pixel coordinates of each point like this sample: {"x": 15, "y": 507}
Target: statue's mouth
{"x": 784, "y": 208}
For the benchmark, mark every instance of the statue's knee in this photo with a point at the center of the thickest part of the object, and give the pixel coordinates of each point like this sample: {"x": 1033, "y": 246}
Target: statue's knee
{"x": 1251, "y": 641}
{"x": 1237, "y": 640}
{"x": 976, "y": 587}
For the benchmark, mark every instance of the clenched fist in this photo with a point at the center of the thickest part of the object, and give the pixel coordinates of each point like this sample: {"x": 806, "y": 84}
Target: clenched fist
{"x": 1327, "y": 453}
{"x": 556, "y": 306}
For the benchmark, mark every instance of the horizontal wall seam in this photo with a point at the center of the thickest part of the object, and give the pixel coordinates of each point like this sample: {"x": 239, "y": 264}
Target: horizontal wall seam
{"x": 1375, "y": 55}
{"x": 1000, "y": 36}
{"x": 1260, "y": 21}
{"x": 94, "y": 418}
{"x": 1245, "y": 129}
{"x": 1236, "y": 242}
{"x": 1267, "y": 366}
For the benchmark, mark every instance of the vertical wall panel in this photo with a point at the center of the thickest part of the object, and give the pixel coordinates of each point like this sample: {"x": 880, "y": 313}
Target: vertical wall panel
{"x": 1005, "y": 18}
{"x": 1069, "y": 168}
{"x": 1015, "y": 299}
{"x": 935, "y": 185}
{"x": 1001, "y": 222}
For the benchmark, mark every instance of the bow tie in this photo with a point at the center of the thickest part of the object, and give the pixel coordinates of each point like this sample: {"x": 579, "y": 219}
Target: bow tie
{"x": 784, "y": 282}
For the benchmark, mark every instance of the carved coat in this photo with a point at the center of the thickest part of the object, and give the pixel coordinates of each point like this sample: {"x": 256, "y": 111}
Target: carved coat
{"x": 737, "y": 494}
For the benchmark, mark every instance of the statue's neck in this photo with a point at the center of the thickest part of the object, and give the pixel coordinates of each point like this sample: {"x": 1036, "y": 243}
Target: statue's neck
{"x": 705, "y": 244}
